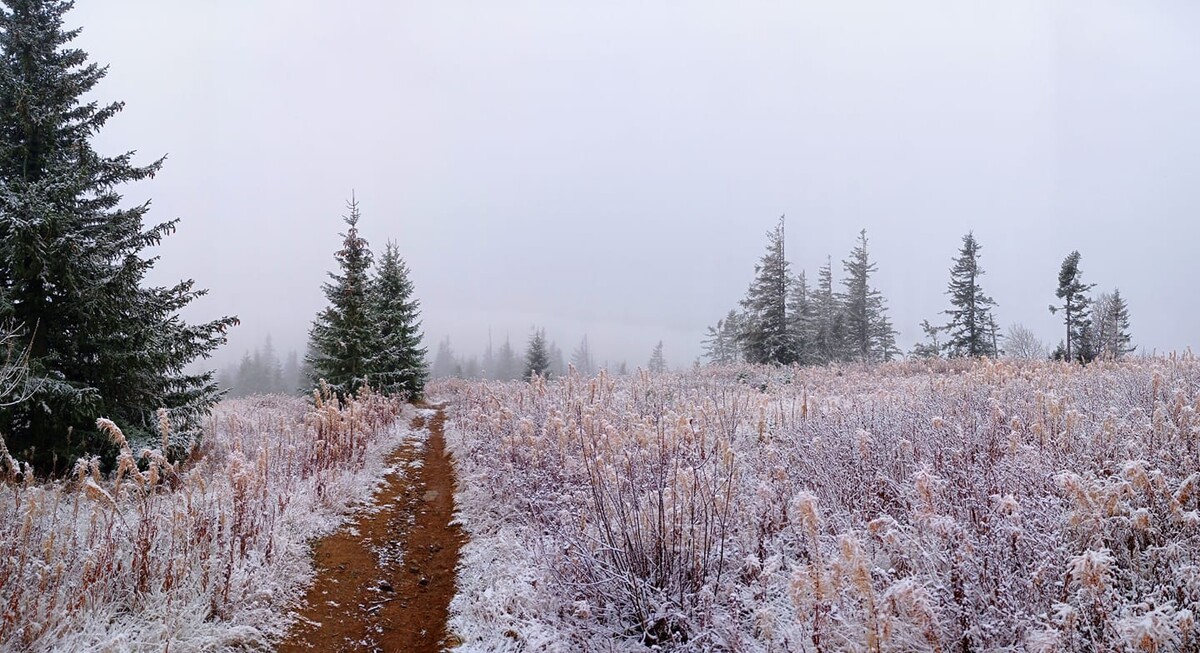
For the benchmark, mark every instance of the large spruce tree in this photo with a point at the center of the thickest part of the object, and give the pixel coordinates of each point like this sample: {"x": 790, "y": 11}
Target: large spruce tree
{"x": 341, "y": 338}
{"x": 970, "y": 330}
{"x": 1076, "y": 308}
{"x": 398, "y": 359}
{"x": 869, "y": 334}
{"x": 767, "y": 335}
{"x": 71, "y": 258}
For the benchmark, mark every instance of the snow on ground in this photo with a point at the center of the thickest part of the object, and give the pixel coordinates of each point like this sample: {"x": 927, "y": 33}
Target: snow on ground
{"x": 206, "y": 559}
{"x": 995, "y": 506}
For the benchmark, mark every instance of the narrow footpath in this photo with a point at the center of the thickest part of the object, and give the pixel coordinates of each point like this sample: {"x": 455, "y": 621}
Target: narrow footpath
{"x": 384, "y": 581}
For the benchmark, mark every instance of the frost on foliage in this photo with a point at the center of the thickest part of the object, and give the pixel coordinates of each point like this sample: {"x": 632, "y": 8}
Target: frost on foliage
{"x": 948, "y": 505}
{"x": 206, "y": 557}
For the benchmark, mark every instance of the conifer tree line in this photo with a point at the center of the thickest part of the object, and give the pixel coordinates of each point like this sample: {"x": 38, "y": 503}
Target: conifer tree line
{"x": 1095, "y": 328}
{"x": 784, "y": 321}
{"x": 99, "y": 341}
{"x": 260, "y": 371}
{"x": 503, "y": 363}
{"x": 541, "y": 355}
{"x": 370, "y": 332}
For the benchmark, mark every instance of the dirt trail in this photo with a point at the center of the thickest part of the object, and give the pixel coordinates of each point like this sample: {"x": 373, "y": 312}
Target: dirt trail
{"x": 384, "y": 582}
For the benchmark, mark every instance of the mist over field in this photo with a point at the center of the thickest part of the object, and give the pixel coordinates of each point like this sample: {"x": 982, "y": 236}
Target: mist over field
{"x": 624, "y": 327}
{"x": 611, "y": 170}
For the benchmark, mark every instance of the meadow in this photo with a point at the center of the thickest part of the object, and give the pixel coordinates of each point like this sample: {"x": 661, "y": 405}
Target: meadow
{"x": 208, "y": 554}
{"x": 944, "y": 506}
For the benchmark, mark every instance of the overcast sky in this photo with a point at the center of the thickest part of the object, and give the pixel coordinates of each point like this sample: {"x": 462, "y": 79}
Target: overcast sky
{"x": 613, "y": 167}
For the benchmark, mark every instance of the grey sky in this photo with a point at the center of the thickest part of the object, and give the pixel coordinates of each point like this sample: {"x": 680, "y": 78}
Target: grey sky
{"x": 613, "y": 167}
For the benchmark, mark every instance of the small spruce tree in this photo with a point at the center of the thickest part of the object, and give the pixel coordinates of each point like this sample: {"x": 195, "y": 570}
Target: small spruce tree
{"x": 507, "y": 366}
{"x": 291, "y": 374}
{"x": 444, "y": 361}
{"x": 657, "y": 364}
{"x": 720, "y": 344}
{"x": 537, "y": 356}
{"x": 558, "y": 363}
{"x": 932, "y": 347}
{"x": 582, "y": 359}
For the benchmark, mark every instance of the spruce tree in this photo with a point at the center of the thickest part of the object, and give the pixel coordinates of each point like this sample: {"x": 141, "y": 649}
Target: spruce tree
{"x": 1076, "y": 308}
{"x": 507, "y": 366}
{"x": 271, "y": 372}
{"x": 829, "y": 331}
{"x": 582, "y": 360}
{"x": 1110, "y": 324}
{"x": 971, "y": 330}
{"x": 766, "y": 335}
{"x": 398, "y": 360}
{"x": 1120, "y": 339}
{"x": 869, "y": 333}
{"x": 444, "y": 363}
{"x": 340, "y": 340}
{"x": 802, "y": 320}
{"x": 537, "y": 356}
{"x": 243, "y": 384}
{"x": 657, "y": 363}
{"x": 291, "y": 374}
{"x": 489, "y": 359}
{"x": 558, "y": 363}
{"x": 720, "y": 344}
{"x": 931, "y": 348}
{"x": 72, "y": 261}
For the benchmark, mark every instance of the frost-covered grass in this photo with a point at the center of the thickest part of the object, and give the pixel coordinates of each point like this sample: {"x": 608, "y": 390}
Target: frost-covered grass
{"x": 206, "y": 557}
{"x": 997, "y": 506}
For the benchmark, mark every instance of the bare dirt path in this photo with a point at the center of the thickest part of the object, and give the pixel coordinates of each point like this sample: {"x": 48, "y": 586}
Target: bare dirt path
{"x": 384, "y": 582}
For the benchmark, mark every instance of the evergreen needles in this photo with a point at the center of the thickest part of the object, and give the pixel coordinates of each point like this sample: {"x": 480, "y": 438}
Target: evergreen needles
{"x": 72, "y": 261}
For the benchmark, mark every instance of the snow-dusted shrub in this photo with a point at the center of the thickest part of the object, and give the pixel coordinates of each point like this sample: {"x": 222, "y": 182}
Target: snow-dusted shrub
{"x": 905, "y": 507}
{"x": 203, "y": 556}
